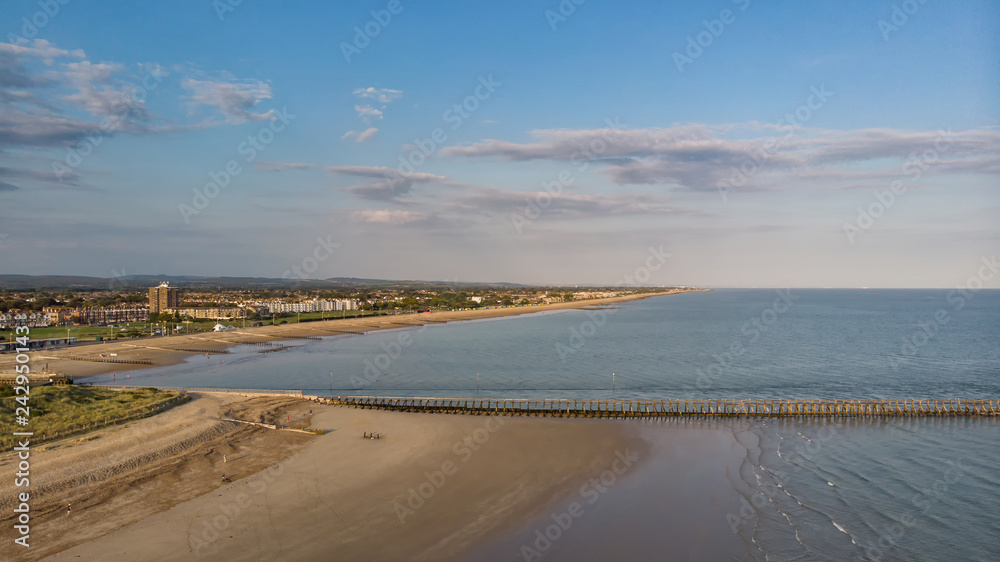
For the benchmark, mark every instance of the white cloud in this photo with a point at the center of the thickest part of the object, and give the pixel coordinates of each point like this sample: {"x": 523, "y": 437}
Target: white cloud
{"x": 388, "y": 216}
{"x": 98, "y": 93}
{"x": 493, "y": 200}
{"x": 40, "y": 49}
{"x": 281, "y": 166}
{"x": 367, "y": 112}
{"x": 391, "y": 185}
{"x": 383, "y": 172}
{"x": 698, "y": 156}
{"x": 367, "y": 134}
{"x": 381, "y": 95}
{"x": 234, "y": 98}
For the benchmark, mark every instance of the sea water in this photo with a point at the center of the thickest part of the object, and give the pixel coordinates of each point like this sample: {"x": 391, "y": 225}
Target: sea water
{"x": 811, "y": 489}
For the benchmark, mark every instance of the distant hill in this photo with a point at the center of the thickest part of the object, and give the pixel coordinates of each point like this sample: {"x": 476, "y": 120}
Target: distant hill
{"x": 22, "y": 282}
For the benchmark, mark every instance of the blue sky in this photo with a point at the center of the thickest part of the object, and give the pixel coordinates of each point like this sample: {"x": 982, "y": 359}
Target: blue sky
{"x": 741, "y": 137}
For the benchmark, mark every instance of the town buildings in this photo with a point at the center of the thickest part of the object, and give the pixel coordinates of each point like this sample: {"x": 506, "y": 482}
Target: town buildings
{"x": 104, "y": 316}
{"x": 314, "y": 305}
{"x": 9, "y": 320}
{"x": 163, "y": 297}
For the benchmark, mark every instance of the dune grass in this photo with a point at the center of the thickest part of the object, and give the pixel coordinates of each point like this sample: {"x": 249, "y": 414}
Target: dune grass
{"x": 60, "y": 411}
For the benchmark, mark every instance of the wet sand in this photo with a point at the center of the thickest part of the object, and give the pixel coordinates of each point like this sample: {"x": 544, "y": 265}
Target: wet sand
{"x": 172, "y": 350}
{"x": 680, "y": 502}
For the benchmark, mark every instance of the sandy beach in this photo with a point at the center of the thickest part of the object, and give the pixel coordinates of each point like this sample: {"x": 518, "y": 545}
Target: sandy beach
{"x": 428, "y": 489}
{"x": 432, "y": 487}
{"x": 78, "y": 360}
{"x": 117, "y": 475}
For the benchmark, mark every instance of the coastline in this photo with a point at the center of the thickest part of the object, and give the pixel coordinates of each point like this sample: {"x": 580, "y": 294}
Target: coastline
{"x": 78, "y": 361}
{"x": 433, "y": 487}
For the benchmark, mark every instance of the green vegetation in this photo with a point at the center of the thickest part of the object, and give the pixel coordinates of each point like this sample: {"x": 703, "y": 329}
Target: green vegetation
{"x": 59, "y": 411}
{"x": 83, "y": 333}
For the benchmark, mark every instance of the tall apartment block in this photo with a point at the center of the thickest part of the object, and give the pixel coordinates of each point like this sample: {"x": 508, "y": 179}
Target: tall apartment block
{"x": 163, "y": 297}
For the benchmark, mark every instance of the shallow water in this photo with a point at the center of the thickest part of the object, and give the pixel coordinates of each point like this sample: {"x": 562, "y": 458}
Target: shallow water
{"x": 826, "y": 344}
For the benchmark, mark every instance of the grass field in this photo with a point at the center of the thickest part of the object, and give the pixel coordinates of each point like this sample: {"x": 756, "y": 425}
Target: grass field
{"x": 59, "y": 411}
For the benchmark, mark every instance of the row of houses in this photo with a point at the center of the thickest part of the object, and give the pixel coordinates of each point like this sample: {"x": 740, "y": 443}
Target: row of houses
{"x": 314, "y": 305}
{"x": 55, "y": 316}
{"x": 103, "y": 316}
{"x": 214, "y": 313}
{"x": 9, "y": 320}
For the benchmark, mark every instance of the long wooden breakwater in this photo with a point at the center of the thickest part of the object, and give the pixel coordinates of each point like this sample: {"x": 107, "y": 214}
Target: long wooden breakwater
{"x": 611, "y": 408}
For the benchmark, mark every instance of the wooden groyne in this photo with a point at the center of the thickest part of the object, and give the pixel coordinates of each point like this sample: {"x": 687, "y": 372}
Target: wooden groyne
{"x": 611, "y": 408}
{"x": 102, "y": 360}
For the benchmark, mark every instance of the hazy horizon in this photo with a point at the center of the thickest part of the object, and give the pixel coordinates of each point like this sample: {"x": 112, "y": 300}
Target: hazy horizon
{"x": 123, "y": 282}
